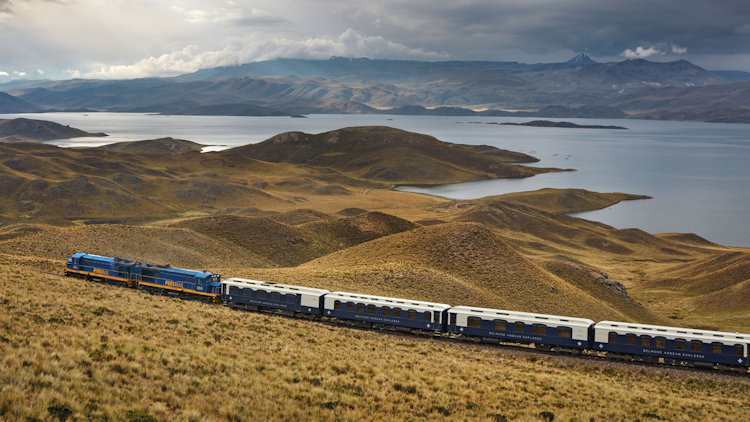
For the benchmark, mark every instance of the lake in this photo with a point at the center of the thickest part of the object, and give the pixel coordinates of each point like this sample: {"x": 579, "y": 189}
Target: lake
{"x": 697, "y": 173}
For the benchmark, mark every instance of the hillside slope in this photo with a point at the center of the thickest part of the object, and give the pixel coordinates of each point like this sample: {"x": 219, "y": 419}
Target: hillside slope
{"x": 31, "y": 130}
{"x": 153, "y": 146}
{"x": 11, "y": 104}
{"x": 160, "y": 245}
{"x": 459, "y": 264}
{"x": 282, "y": 242}
{"x": 389, "y": 155}
{"x": 103, "y": 353}
{"x": 715, "y": 103}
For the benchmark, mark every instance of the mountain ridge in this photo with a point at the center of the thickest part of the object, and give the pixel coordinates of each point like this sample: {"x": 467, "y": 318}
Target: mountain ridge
{"x": 346, "y": 85}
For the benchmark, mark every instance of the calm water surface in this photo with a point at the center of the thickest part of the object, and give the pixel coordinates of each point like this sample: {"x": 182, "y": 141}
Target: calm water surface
{"x": 697, "y": 173}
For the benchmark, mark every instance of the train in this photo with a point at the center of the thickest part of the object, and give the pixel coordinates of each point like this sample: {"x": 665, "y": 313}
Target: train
{"x": 621, "y": 340}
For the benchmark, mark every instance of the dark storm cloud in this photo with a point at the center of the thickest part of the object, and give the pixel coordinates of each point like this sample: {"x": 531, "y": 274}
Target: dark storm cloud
{"x": 136, "y": 38}
{"x": 600, "y": 27}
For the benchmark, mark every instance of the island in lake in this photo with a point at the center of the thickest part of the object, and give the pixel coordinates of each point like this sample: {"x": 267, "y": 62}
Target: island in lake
{"x": 548, "y": 123}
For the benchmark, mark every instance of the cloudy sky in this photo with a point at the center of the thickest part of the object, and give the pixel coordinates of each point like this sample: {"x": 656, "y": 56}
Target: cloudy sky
{"x": 59, "y": 39}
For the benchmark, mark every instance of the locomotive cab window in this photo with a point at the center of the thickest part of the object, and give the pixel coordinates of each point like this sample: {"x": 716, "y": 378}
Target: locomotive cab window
{"x": 564, "y": 332}
{"x": 499, "y": 325}
{"x": 474, "y": 322}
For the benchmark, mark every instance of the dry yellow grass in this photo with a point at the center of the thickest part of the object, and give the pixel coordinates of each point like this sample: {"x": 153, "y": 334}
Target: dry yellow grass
{"x": 103, "y": 353}
{"x": 107, "y": 353}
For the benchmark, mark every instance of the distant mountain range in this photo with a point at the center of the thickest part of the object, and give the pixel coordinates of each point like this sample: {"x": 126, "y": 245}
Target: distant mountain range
{"x": 580, "y": 87}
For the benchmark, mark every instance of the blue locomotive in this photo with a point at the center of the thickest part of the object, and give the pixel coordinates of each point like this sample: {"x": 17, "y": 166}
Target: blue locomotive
{"x": 160, "y": 279}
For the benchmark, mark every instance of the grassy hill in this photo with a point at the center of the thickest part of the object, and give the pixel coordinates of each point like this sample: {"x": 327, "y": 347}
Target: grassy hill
{"x": 167, "y": 177}
{"x": 95, "y": 352}
{"x": 30, "y": 130}
{"x": 556, "y": 200}
{"x": 454, "y": 263}
{"x": 153, "y": 146}
{"x": 318, "y": 210}
{"x": 290, "y": 239}
{"x": 389, "y": 155}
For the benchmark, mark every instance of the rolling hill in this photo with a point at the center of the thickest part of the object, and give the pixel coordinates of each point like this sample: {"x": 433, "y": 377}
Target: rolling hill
{"x": 152, "y": 146}
{"x": 293, "y": 241}
{"x": 165, "y": 177}
{"x": 456, "y": 263}
{"x": 389, "y": 155}
{"x": 30, "y": 130}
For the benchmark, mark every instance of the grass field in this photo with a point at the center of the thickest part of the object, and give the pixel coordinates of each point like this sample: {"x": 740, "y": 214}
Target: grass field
{"x": 327, "y": 217}
{"x": 107, "y": 353}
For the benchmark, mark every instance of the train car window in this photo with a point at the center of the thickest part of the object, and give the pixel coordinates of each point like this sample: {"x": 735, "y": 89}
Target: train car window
{"x": 474, "y": 322}
{"x": 679, "y": 344}
{"x": 350, "y": 307}
{"x": 660, "y": 342}
{"x": 385, "y": 311}
{"x": 696, "y": 346}
{"x": 646, "y": 341}
{"x": 427, "y": 316}
{"x": 337, "y": 305}
{"x": 613, "y": 337}
{"x": 540, "y": 329}
{"x": 397, "y": 313}
{"x": 564, "y": 332}
{"x": 717, "y": 349}
{"x": 738, "y": 350}
{"x": 630, "y": 339}
{"x": 500, "y": 325}
{"x": 453, "y": 319}
{"x": 371, "y": 309}
{"x": 519, "y": 327}
{"x": 437, "y": 317}
{"x": 412, "y": 314}
{"x": 360, "y": 307}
